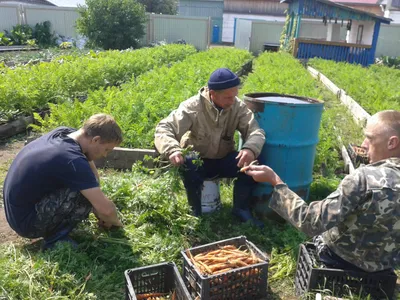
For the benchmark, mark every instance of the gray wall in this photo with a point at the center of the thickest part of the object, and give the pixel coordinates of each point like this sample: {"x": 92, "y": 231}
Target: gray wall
{"x": 194, "y": 30}
{"x": 388, "y": 41}
{"x": 243, "y": 34}
{"x": 261, "y": 7}
{"x": 201, "y": 8}
{"x": 205, "y": 8}
{"x": 264, "y": 32}
{"x": 9, "y": 17}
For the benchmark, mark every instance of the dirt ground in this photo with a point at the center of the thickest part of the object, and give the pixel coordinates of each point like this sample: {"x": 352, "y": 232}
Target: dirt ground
{"x": 8, "y": 151}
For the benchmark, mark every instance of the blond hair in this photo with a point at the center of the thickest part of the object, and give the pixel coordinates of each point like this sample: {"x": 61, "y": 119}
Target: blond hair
{"x": 105, "y": 127}
{"x": 389, "y": 120}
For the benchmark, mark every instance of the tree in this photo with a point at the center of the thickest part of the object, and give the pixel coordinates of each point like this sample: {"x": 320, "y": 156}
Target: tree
{"x": 166, "y": 7}
{"x": 112, "y": 24}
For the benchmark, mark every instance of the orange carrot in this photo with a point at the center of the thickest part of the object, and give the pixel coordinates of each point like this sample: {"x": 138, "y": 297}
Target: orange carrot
{"x": 150, "y": 295}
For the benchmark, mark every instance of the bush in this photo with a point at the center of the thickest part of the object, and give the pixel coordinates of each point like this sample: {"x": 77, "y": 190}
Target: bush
{"x": 112, "y": 24}
{"x": 166, "y": 7}
{"x": 20, "y": 34}
{"x": 43, "y": 35}
{"x": 4, "y": 40}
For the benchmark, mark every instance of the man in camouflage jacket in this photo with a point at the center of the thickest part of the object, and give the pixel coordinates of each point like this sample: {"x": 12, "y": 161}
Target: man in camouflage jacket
{"x": 208, "y": 122}
{"x": 360, "y": 221}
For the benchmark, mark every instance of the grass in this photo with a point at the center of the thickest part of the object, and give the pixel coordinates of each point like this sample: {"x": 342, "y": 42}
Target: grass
{"x": 157, "y": 228}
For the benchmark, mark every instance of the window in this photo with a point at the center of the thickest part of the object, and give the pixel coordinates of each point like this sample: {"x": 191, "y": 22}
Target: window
{"x": 396, "y": 3}
{"x": 360, "y": 34}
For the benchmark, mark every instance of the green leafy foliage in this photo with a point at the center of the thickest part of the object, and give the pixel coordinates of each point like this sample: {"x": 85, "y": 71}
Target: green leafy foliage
{"x": 31, "y": 88}
{"x": 166, "y": 7}
{"x": 392, "y": 62}
{"x": 19, "y": 58}
{"x": 40, "y": 35}
{"x": 139, "y": 105}
{"x": 4, "y": 40}
{"x": 112, "y": 24}
{"x": 20, "y": 34}
{"x": 43, "y": 35}
{"x": 157, "y": 227}
{"x": 375, "y": 88}
{"x": 154, "y": 208}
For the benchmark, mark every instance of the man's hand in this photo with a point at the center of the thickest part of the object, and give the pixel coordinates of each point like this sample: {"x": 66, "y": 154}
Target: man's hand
{"x": 104, "y": 224}
{"x": 176, "y": 158}
{"x": 103, "y": 208}
{"x": 245, "y": 156}
{"x": 263, "y": 174}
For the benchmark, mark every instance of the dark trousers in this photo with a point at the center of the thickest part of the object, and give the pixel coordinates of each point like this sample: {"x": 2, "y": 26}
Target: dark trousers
{"x": 331, "y": 259}
{"x": 194, "y": 176}
{"x": 59, "y": 211}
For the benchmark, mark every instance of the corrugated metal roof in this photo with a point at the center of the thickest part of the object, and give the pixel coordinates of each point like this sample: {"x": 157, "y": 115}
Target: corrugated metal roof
{"x": 357, "y": 2}
{"x": 30, "y": 2}
{"x": 348, "y": 8}
{"x": 68, "y": 3}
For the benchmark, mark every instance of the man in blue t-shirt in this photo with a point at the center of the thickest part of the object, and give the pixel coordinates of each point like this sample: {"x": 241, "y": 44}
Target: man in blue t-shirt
{"x": 53, "y": 183}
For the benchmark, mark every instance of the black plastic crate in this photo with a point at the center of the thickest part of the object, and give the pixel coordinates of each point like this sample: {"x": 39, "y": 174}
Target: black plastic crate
{"x": 309, "y": 277}
{"x": 242, "y": 283}
{"x": 160, "y": 278}
{"x": 357, "y": 154}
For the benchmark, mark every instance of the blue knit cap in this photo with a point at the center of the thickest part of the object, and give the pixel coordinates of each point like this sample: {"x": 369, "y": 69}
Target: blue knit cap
{"x": 222, "y": 79}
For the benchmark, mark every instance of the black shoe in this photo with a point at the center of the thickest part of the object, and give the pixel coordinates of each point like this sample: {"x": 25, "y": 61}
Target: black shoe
{"x": 244, "y": 215}
{"x": 62, "y": 235}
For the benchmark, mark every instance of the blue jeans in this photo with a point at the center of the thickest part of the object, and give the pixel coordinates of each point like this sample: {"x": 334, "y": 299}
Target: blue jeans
{"x": 194, "y": 176}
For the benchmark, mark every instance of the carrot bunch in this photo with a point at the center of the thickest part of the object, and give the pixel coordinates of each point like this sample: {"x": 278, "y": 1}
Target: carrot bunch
{"x": 222, "y": 260}
{"x": 156, "y": 296}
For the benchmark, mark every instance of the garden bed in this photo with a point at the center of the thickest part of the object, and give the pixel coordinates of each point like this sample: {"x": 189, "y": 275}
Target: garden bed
{"x": 375, "y": 88}
{"x": 31, "y": 88}
{"x": 154, "y": 208}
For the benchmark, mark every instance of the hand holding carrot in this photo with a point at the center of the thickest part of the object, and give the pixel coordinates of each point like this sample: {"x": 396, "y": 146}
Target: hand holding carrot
{"x": 262, "y": 174}
{"x": 245, "y": 156}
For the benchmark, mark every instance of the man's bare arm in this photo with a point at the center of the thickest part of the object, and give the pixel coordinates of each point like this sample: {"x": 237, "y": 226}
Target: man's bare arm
{"x": 105, "y": 208}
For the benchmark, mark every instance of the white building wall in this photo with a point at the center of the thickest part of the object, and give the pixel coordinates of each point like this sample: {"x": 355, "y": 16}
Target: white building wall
{"x": 394, "y": 15}
{"x": 229, "y": 23}
{"x": 368, "y": 32}
{"x": 333, "y": 34}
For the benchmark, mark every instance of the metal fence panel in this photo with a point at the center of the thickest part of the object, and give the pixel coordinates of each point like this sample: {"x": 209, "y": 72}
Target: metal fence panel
{"x": 8, "y": 17}
{"x": 201, "y": 8}
{"x": 193, "y": 30}
{"x": 243, "y": 34}
{"x": 62, "y": 20}
{"x": 389, "y": 40}
{"x": 264, "y": 32}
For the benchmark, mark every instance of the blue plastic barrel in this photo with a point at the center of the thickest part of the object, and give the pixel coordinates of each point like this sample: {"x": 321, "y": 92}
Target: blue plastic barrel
{"x": 215, "y": 35}
{"x": 291, "y": 125}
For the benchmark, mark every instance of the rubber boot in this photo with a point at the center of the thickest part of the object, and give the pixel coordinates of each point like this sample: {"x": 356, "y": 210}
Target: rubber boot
{"x": 194, "y": 199}
{"x": 241, "y": 200}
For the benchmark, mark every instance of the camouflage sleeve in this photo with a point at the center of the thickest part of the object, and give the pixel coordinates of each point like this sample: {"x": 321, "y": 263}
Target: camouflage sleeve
{"x": 319, "y": 216}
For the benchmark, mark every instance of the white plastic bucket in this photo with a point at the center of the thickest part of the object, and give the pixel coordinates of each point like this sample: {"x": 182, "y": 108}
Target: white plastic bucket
{"x": 210, "y": 196}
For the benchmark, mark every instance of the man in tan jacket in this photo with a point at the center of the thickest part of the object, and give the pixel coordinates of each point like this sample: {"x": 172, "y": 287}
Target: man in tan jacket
{"x": 208, "y": 122}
